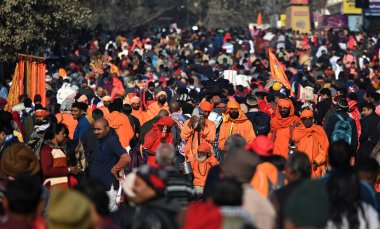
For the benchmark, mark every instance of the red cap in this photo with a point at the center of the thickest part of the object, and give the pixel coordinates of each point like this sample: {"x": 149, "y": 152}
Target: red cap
{"x": 262, "y": 145}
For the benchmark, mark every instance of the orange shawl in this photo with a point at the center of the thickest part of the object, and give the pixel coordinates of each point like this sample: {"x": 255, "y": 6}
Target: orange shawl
{"x": 317, "y": 131}
{"x": 242, "y": 118}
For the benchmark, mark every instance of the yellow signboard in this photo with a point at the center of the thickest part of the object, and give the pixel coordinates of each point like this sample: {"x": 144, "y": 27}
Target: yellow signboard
{"x": 349, "y": 7}
{"x": 283, "y": 20}
{"x": 298, "y": 18}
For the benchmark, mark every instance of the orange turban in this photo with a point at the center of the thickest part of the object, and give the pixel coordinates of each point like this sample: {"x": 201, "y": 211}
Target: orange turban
{"x": 285, "y": 103}
{"x": 62, "y": 72}
{"x": 40, "y": 112}
{"x": 233, "y": 105}
{"x": 135, "y": 99}
{"x": 165, "y": 121}
{"x": 307, "y": 114}
{"x": 206, "y": 106}
{"x": 204, "y": 147}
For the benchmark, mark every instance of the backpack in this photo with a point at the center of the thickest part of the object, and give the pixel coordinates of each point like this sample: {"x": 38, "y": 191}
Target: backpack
{"x": 342, "y": 130}
{"x": 260, "y": 124}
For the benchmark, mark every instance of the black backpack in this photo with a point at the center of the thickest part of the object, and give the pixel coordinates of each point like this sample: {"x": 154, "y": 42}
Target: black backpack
{"x": 260, "y": 124}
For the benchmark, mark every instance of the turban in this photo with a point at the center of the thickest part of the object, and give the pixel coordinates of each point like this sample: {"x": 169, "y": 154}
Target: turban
{"x": 204, "y": 147}
{"x": 3, "y": 101}
{"x": 206, "y": 106}
{"x": 135, "y": 99}
{"x": 307, "y": 114}
{"x": 165, "y": 121}
{"x": 233, "y": 105}
{"x": 285, "y": 103}
{"x": 106, "y": 98}
{"x": 62, "y": 72}
{"x": 82, "y": 99}
{"x": 40, "y": 112}
{"x": 262, "y": 145}
{"x": 19, "y": 159}
{"x": 161, "y": 93}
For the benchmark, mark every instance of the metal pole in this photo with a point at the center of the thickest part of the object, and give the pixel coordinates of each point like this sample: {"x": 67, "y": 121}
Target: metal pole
{"x": 311, "y": 15}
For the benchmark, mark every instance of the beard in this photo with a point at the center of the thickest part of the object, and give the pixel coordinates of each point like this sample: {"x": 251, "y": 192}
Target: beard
{"x": 200, "y": 159}
{"x": 162, "y": 101}
{"x": 234, "y": 115}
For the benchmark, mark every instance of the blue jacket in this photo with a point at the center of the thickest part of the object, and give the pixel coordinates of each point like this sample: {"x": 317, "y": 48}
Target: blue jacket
{"x": 82, "y": 128}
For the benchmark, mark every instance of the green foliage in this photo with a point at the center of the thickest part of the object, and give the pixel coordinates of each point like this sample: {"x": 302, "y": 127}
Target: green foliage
{"x": 26, "y": 26}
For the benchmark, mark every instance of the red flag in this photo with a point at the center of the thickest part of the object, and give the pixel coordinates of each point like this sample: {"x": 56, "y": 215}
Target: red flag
{"x": 277, "y": 71}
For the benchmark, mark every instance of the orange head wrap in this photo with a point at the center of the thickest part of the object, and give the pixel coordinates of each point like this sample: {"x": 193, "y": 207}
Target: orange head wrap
{"x": 284, "y": 103}
{"x": 307, "y": 114}
{"x": 233, "y": 105}
{"x": 204, "y": 147}
{"x": 135, "y": 99}
{"x": 40, "y": 112}
{"x": 62, "y": 72}
{"x": 206, "y": 106}
{"x": 165, "y": 121}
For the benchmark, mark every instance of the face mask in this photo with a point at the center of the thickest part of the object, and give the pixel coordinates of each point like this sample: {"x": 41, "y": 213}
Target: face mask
{"x": 234, "y": 115}
{"x": 200, "y": 159}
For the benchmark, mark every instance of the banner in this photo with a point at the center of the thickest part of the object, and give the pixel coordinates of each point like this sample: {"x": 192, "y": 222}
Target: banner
{"x": 349, "y": 7}
{"x": 335, "y": 21}
{"x": 299, "y": 2}
{"x": 374, "y": 8}
{"x": 298, "y": 18}
{"x": 283, "y": 20}
{"x": 277, "y": 71}
{"x": 355, "y": 22}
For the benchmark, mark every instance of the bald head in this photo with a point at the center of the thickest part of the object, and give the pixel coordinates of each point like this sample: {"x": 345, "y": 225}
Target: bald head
{"x": 163, "y": 113}
{"x": 175, "y": 107}
{"x": 101, "y": 128}
{"x": 165, "y": 155}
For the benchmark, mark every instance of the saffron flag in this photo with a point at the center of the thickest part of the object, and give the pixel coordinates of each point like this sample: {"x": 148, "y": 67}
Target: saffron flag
{"x": 277, "y": 71}
{"x": 259, "y": 19}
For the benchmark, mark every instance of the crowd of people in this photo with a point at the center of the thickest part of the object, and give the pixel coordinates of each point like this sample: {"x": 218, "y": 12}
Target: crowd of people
{"x": 147, "y": 130}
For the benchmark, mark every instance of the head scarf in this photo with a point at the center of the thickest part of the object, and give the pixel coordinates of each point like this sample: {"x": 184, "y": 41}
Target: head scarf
{"x": 307, "y": 114}
{"x": 232, "y": 105}
{"x": 206, "y": 106}
{"x": 40, "y": 112}
{"x": 165, "y": 121}
{"x": 204, "y": 147}
{"x": 161, "y": 93}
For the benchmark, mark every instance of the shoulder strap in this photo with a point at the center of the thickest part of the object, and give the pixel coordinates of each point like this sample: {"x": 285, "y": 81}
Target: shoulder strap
{"x": 340, "y": 117}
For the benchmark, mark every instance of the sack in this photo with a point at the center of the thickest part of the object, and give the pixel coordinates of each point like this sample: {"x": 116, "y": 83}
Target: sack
{"x": 114, "y": 198}
{"x": 342, "y": 130}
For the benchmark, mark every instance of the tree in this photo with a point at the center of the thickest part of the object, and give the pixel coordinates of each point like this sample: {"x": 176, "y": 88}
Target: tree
{"x": 28, "y": 26}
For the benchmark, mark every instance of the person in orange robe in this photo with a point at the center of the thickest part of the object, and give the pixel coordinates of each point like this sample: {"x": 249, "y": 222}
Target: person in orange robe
{"x": 198, "y": 130}
{"x": 312, "y": 140}
{"x": 66, "y": 117}
{"x": 160, "y": 133}
{"x": 266, "y": 173}
{"x": 106, "y": 100}
{"x": 137, "y": 111}
{"x": 120, "y": 122}
{"x": 160, "y": 104}
{"x": 235, "y": 122}
{"x": 282, "y": 125}
{"x": 201, "y": 164}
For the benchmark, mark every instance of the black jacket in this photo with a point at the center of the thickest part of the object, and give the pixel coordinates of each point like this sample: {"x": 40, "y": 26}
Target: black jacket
{"x": 322, "y": 108}
{"x": 370, "y": 134}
